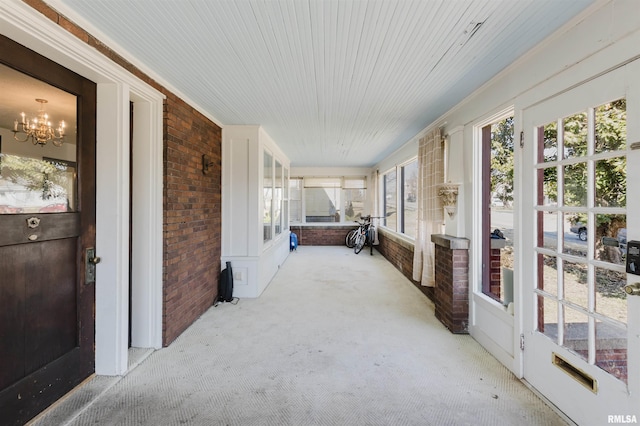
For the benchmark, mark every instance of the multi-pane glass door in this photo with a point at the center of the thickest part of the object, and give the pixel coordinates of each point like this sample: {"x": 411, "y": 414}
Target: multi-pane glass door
{"x": 579, "y": 179}
{"x": 581, "y": 238}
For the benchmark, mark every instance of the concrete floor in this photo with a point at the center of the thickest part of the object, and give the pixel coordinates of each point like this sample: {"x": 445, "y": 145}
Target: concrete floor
{"x": 335, "y": 339}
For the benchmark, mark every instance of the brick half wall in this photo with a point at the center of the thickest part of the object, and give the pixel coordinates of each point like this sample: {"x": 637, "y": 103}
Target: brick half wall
{"x": 400, "y": 253}
{"x": 312, "y": 235}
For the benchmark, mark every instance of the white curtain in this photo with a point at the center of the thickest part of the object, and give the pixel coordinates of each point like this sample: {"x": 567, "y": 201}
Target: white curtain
{"x": 430, "y": 211}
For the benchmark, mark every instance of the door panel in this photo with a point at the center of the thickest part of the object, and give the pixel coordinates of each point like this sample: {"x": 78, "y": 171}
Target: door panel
{"x": 47, "y": 221}
{"x": 581, "y": 347}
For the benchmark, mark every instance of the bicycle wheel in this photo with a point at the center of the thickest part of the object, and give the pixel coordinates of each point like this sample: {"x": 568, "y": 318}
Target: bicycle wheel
{"x": 350, "y": 239}
{"x": 360, "y": 239}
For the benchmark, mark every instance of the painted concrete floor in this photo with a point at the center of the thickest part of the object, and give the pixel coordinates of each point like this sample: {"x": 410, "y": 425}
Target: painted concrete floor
{"x": 335, "y": 339}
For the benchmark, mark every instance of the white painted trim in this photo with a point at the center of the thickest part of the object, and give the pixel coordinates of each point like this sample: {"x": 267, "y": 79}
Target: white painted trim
{"x": 115, "y": 88}
{"x": 112, "y": 230}
{"x": 146, "y": 327}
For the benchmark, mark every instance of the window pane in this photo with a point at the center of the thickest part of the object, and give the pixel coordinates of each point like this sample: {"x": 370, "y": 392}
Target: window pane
{"x": 285, "y": 203}
{"x": 267, "y": 195}
{"x": 353, "y": 204}
{"x": 575, "y": 135}
{"x": 322, "y": 204}
{"x": 611, "y": 299}
{"x": 611, "y": 126}
{"x": 550, "y": 147}
{"x": 295, "y": 194}
{"x": 575, "y": 234}
{"x": 409, "y": 202}
{"x": 355, "y": 183}
{"x": 575, "y": 285}
{"x": 611, "y": 182}
{"x": 548, "y": 317}
{"x": 611, "y": 349}
{"x": 549, "y": 237}
{"x": 38, "y": 178}
{"x": 576, "y": 332}
{"x": 611, "y": 238}
{"x": 277, "y": 199}
{"x": 33, "y": 184}
{"x": 322, "y": 182}
{"x": 548, "y": 274}
{"x": 575, "y": 185}
{"x": 548, "y": 195}
{"x": 390, "y": 200}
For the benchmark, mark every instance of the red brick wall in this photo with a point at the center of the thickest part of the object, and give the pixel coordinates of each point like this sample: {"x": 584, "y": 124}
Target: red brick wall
{"x": 400, "y": 254}
{"x": 612, "y": 360}
{"x": 494, "y": 273}
{"x": 192, "y": 216}
{"x": 192, "y": 201}
{"x": 452, "y": 288}
{"x": 321, "y": 235}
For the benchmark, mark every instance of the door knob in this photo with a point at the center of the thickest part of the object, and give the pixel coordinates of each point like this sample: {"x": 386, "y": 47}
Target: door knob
{"x": 632, "y": 289}
{"x": 95, "y": 260}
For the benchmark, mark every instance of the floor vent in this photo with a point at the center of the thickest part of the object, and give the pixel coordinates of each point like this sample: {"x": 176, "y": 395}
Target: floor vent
{"x": 578, "y": 375}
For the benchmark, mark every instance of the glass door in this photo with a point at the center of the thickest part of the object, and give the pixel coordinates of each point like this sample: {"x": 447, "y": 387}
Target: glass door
{"x": 580, "y": 343}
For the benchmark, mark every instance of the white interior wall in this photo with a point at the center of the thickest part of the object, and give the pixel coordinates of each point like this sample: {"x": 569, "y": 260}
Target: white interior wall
{"x": 254, "y": 262}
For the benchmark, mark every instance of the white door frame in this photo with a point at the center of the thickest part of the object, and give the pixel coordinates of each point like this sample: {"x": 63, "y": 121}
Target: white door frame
{"x": 115, "y": 89}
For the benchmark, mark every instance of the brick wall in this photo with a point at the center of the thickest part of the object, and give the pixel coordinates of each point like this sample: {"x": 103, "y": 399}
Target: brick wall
{"x": 611, "y": 360}
{"x": 321, "y": 235}
{"x": 494, "y": 273}
{"x": 192, "y": 201}
{"x": 400, "y": 254}
{"x": 192, "y": 216}
{"x": 452, "y": 282}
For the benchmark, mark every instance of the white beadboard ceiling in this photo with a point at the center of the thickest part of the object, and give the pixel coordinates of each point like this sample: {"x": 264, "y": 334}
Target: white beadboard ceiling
{"x": 334, "y": 82}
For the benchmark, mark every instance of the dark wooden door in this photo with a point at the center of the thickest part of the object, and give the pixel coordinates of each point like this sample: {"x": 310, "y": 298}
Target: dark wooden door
{"x": 46, "y": 301}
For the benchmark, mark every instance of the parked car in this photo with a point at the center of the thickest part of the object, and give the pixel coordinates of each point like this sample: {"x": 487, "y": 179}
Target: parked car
{"x": 621, "y": 238}
{"x": 622, "y": 241}
{"x": 580, "y": 229}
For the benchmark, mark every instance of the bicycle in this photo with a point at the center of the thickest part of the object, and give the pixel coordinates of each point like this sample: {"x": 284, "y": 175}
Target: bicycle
{"x": 364, "y": 234}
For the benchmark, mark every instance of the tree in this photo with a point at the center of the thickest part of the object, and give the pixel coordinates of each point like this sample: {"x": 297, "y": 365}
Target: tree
{"x": 610, "y": 173}
{"x": 502, "y": 160}
{"x": 36, "y": 175}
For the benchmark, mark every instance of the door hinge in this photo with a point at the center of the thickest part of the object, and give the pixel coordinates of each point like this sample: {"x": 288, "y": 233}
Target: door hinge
{"x": 522, "y": 139}
{"x": 522, "y": 342}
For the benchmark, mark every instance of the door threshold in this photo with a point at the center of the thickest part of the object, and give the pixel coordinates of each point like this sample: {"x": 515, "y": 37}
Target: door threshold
{"x": 65, "y": 410}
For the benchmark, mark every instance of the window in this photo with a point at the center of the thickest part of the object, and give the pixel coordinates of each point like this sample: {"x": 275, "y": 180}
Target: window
{"x": 354, "y": 196}
{"x": 277, "y": 199}
{"x": 409, "y": 220}
{"x": 497, "y": 214}
{"x": 390, "y": 189}
{"x": 331, "y": 199}
{"x": 322, "y": 199}
{"x": 267, "y": 219}
{"x": 295, "y": 199}
{"x": 285, "y": 200}
{"x": 400, "y": 192}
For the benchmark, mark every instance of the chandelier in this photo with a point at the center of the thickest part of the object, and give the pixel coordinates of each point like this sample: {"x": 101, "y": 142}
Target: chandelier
{"x": 39, "y": 129}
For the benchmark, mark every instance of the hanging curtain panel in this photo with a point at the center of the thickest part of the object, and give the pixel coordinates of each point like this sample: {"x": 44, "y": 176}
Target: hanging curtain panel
{"x": 430, "y": 212}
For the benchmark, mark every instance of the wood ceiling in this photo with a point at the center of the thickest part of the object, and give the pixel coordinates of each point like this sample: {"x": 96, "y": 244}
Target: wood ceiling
{"x": 334, "y": 82}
